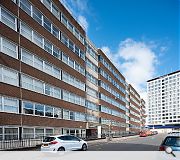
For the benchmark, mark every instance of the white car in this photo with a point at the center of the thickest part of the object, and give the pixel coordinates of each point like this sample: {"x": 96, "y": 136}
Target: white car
{"x": 63, "y": 143}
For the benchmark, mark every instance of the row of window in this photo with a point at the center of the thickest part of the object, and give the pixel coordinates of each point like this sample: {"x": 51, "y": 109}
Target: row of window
{"x": 13, "y": 132}
{"x": 112, "y": 91}
{"x": 112, "y": 122}
{"x": 11, "y": 77}
{"x": 92, "y": 106}
{"x": 91, "y": 52}
{"x": 108, "y": 66}
{"x": 72, "y": 81}
{"x": 112, "y": 101}
{"x": 49, "y": 26}
{"x": 110, "y": 79}
{"x": 73, "y": 64}
{"x": 112, "y": 112}
{"x": 91, "y": 65}
{"x": 91, "y": 78}
{"x": 11, "y": 49}
{"x": 30, "y": 34}
{"x": 60, "y": 16}
{"x": 91, "y": 92}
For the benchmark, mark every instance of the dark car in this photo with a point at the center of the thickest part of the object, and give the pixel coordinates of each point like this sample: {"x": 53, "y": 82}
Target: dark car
{"x": 172, "y": 141}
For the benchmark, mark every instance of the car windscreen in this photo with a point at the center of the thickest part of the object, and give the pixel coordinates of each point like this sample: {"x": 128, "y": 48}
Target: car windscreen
{"x": 48, "y": 139}
{"x": 172, "y": 141}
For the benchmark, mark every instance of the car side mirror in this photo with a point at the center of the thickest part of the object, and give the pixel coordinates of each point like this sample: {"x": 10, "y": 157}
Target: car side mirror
{"x": 169, "y": 150}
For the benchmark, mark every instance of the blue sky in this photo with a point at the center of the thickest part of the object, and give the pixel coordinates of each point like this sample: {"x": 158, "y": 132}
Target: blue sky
{"x": 132, "y": 31}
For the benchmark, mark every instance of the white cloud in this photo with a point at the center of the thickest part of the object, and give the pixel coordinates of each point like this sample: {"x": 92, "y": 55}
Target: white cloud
{"x": 82, "y": 20}
{"x": 138, "y": 62}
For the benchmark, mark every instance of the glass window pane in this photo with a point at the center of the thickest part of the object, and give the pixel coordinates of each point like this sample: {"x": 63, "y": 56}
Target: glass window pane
{"x": 37, "y": 39}
{"x": 57, "y": 113}
{"x": 48, "y": 111}
{"x": 8, "y": 19}
{"x": 37, "y": 15}
{"x": 10, "y": 105}
{"x": 38, "y": 63}
{"x": 39, "y": 109}
{"x": 10, "y": 133}
{"x": 28, "y": 108}
{"x": 47, "y": 24}
{"x": 26, "y": 31}
{"x": 10, "y": 77}
{"x": 9, "y": 48}
{"x": 27, "y": 82}
{"x": 26, "y": 6}
{"x": 26, "y": 57}
{"x": 48, "y": 46}
{"x": 28, "y": 133}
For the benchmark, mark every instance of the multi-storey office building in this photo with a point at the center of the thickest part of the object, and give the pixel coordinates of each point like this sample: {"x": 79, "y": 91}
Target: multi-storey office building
{"x": 164, "y": 101}
{"x": 134, "y": 111}
{"x": 52, "y": 78}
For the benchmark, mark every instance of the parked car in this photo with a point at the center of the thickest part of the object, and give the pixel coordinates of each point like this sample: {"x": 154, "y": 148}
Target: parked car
{"x": 63, "y": 143}
{"x": 143, "y": 134}
{"x": 172, "y": 141}
{"x": 154, "y": 132}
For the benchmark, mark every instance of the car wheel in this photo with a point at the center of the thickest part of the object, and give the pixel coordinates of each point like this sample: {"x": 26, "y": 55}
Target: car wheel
{"x": 61, "y": 149}
{"x": 84, "y": 147}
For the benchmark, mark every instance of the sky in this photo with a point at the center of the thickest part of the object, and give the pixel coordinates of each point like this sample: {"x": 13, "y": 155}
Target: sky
{"x": 141, "y": 37}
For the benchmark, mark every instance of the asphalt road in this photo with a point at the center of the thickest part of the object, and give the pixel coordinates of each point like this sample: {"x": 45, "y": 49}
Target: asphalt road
{"x": 150, "y": 143}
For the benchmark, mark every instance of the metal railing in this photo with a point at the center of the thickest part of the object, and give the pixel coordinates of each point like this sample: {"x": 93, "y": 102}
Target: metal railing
{"x": 18, "y": 144}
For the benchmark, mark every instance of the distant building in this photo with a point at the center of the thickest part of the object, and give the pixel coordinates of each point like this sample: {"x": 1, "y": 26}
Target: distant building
{"x": 164, "y": 101}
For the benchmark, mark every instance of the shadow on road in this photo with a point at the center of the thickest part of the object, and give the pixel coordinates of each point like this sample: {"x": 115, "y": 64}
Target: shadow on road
{"x": 124, "y": 147}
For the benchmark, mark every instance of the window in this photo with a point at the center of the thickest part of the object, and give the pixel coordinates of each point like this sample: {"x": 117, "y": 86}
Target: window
{"x": 38, "y": 63}
{"x": 10, "y": 133}
{"x": 64, "y": 39}
{"x": 38, "y": 86}
{"x": 11, "y": 105}
{"x": 55, "y": 11}
{"x": 70, "y": 27}
{"x": 57, "y": 93}
{"x": 71, "y": 63}
{"x": 28, "y": 133}
{"x": 47, "y": 3}
{"x": 48, "y": 111}
{"x": 1, "y": 133}
{"x": 72, "y": 115}
{"x": 48, "y": 46}
{"x": 48, "y": 90}
{"x": 47, "y": 24}
{"x": 9, "y": 76}
{"x": 39, "y": 109}
{"x": 37, "y": 15}
{"x": 28, "y": 108}
{"x": 27, "y": 82}
{"x": 64, "y": 20}
{"x": 71, "y": 45}
{"x": 56, "y": 52}
{"x": 9, "y": 48}
{"x": 65, "y": 114}
{"x": 26, "y": 6}
{"x": 49, "y": 132}
{"x": 8, "y": 19}
{"x": 48, "y": 68}
{"x": 37, "y": 39}
{"x": 57, "y": 113}
{"x": 39, "y": 133}
{"x": 26, "y": 57}
{"x": 26, "y": 31}
{"x": 1, "y": 107}
{"x": 55, "y": 32}
{"x": 65, "y": 58}
{"x": 56, "y": 73}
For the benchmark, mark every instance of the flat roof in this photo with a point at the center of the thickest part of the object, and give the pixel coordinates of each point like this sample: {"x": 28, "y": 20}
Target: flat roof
{"x": 163, "y": 76}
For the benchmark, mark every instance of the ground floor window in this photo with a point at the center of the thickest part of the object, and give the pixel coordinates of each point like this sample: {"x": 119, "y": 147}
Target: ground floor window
{"x": 39, "y": 133}
{"x": 10, "y": 133}
{"x": 1, "y": 134}
{"x": 28, "y": 133}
